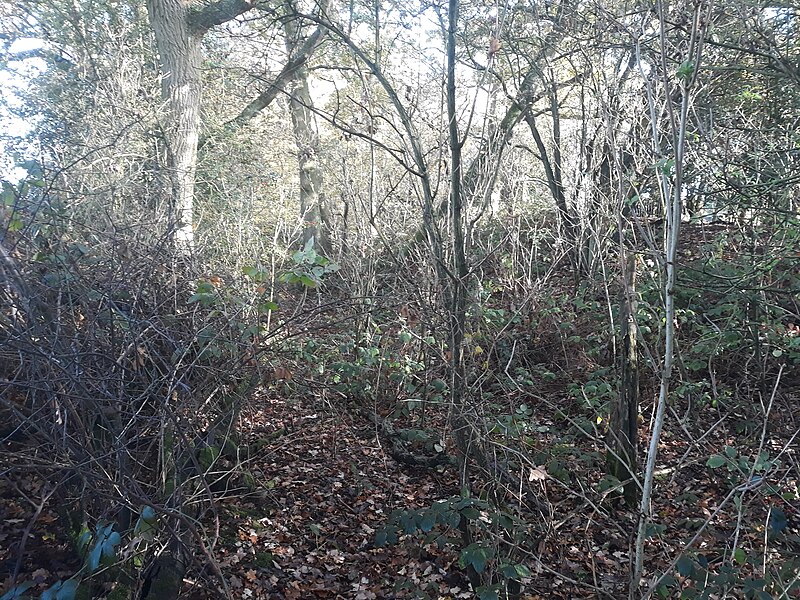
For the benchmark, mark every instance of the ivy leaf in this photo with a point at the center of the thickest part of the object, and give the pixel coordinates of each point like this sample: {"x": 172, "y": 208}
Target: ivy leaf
{"x": 523, "y": 571}
{"x": 715, "y": 461}
{"x": 146, "y": 524}
{"x": 485, "y": 593}
{"x": 408, "y": 522}
{"x": 267, "y": 306}
{"x": 381, "y": 538}
{"x": 255, "y": 273}
{"x": 104, "y": 549}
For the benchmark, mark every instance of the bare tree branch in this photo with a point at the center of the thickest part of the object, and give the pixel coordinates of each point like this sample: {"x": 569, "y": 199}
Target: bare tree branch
{"x": 204, "y": 17}
{"x": 267, "y": 96}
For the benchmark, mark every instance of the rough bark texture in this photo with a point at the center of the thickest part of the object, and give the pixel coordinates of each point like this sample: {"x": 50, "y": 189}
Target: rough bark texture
{"x": 179, "y": 52}
{"x": 622, "y": 437}
{"x": 179, "y": 27}
{"x": 312, "y": 193}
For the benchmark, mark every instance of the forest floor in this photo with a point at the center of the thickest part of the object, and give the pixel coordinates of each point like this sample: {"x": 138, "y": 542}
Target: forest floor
{"x": 331, "y": 484}
{"x": 326, "y": 485}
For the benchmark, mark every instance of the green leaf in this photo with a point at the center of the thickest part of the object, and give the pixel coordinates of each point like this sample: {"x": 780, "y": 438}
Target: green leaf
{"x": 110, "y": 546}
{"x": 33, "y": 168}
{"x": 255, "y": 273}
{"x": 267, "y": 306}
{"x": 16, "y": 592}
{"x": 452, "y": 518}
{"x": 104, "y": 550}
{"x": 63, "y": 590}
{"x": 740, "y": 556}
{"x": 148, "y": 514}
{"x": 487, "y": 593}
{"x": 307, "y": 281}
{"x": 716, "y": 461}
{"x": 146, "y": 524}
{"x": 685, "y": 566}
{"x": 428, "y": 520}
{"x": 476, "y": 556}
{"x": 83, "y": 540}
{"x": 439, "y": 385}
{"x": 777, "y": 519}
{"x": 408, "y": 521}
{"x": 381, "y": 538}
{"x": 523, "y": 571}
{"x": 208, "y": 456}
{"x": 471, "y": 513}
{"x": 93, "y": 560}
{"x": 686, "y": 70}
{"x": 508, "y": 570}
{"x": 204, "y": 299}
{"x": 9, "y": 194}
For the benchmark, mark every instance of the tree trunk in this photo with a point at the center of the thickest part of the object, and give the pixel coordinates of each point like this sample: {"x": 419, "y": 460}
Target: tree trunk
{"x": 678, "y": 119}
{"x": 179, "y": 52}
{"x": 457, "y": 292}
{"x": 179, "y": 27}
{"x": 623, "y": 431}
{"x": 553, "y": 173}
{"x": 313, "y": 210}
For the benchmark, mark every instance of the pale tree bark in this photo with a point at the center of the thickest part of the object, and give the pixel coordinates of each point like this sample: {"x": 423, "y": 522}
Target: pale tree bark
{"x": 179, "y": 27}
{"x": 179, "y": 52}
{"x": 672, "y": 189}
{"x": 313, "y": 210}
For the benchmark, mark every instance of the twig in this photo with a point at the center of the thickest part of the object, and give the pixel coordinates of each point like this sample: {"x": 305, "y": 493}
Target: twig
{"x": 23, "y": 542}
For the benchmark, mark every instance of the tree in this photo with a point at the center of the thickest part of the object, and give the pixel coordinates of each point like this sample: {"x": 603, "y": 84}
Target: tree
{"x": 179, "y": 28}
{"x": 671, "y": 173}
{"x": 313, "y": 209}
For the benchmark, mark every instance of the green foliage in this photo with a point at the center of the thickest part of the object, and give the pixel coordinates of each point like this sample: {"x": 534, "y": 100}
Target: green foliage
{"x": 63, "y": 590}
{"x": 743, "y": 573}
{"x": 519, "y": 424}
{"x": 596, "y": 394}
{"x": 443, "y": 523}
{"x": 99, "y": 550}
{"x": 147, "y": 524}
{"x": 686, "y": 71}
{"x": 378, "y": 367}
{"x": 104, "y": 549}
{"x": 18, "y": 591}
{"x": 310, "y": 268}
{"x": 741, "y": 464}
{"x": 701, "y": 577}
